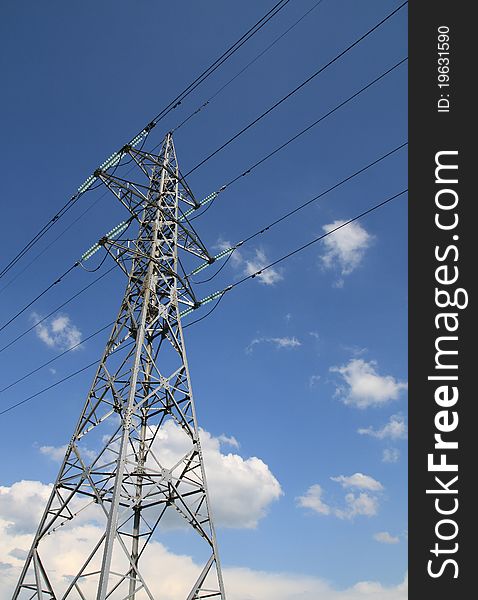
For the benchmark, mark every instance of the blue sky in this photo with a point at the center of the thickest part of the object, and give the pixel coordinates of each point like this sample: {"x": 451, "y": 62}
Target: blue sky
{"x": 293, "y": 366}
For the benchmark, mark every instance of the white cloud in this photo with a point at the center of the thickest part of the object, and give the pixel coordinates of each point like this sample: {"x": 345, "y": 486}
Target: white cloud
{"x": 241, "y": 489}
{"x": 251, "y": 265}
{"x": 58, "y": 332}
{"x": 313, "y": 499}
{"x": 359, "y": 504}
{"x": 360, "y": 481}
{"x": 355, "y": 503}
{"x": 391, "y": 455}
{"x": 57, "y": 453}
{"x": 383, "y": 537}
{"x": 169, "y": 575}
{"x": 228, "y": 440}
{"x": 21, "y": 505}
{"x": 246, "y": 584}
{"x": 395, "y": 429}
{"x": 63, "y": 553}
{"x": 278, "y": 342}
{"x": 345, "y": 248}
{"x": 364, "y": 386}
{"x": 268, "y": 277}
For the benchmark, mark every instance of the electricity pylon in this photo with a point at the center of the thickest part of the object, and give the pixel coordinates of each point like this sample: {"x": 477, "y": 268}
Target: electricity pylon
{"x": 119, "y": 479}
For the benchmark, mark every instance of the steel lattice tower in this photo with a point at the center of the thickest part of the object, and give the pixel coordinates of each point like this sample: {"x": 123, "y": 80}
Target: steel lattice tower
{"x": 115, "y": 471}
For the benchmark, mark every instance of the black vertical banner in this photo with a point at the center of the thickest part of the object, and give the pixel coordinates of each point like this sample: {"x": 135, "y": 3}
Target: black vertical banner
{"x": 442, "y": 231}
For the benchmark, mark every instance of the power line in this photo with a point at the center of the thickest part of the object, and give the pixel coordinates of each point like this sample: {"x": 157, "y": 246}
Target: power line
{"x": 248, "y": 171}
{"x": 261, "y": 231}
{"x": 68, "y": 227}
{"x": 57, "y": 308}
{"x": 55, "y": 358}
{"x": 47, "y": 289}
{"x": 46, "y": 248}
{"x": 290, "y": 140}
{"x": 295, "y": 210}
{"x": 206, "y": 315}
{"x": 296, "y": 89}
{"x": 249, "y": 64}
{"x": 322, "y": 194}
{"x": 146, "y": 130}
{"x": 114, "y": 232}
{"x": 48, "y": 388}
{"x": 63, "y": 210}
{"x": 315, "y": 123}
{"x": 262, "y": 160}
{"x": 226, "y": 289}
{"x": 218, "y": 62}
{"x": 315, "y": 240}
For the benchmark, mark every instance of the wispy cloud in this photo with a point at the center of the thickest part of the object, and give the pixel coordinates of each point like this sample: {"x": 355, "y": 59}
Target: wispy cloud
{"x": 345, "y": 248}
{"x": 391, "y": 455}
{"x": 236, "y": 257}
{"x": 58, "y": 332}
{"x": 255, "y": 265}
{"x": 313, "y": 499}
{"x": 395, "y": 429}
{"x": 228, "y": 440}
{"x": 355, "y": 350}
{"x": 252, "y": 264}
{"x": 57, "y": 453}
{"x": 278, "y": 342}
{"x": 356, "y": 502}
{"x": 364, "y": 387}
{"x": 360, "y": 481}
{"x": 313, "y": 380}
{"x": 383, "y": 537}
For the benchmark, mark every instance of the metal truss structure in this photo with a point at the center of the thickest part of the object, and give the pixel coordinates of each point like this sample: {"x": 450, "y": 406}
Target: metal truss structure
{"x": 117, "y": 477}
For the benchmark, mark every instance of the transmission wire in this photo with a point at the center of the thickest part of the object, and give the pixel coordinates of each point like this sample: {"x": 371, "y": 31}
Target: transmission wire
{"x": 45, "y": 364}
{"x": 228, "y": 288}
{"x": 172, "y": 105}
{"x": 250, "y": 63}
{"x": 57, "y": 308}
{"x": 295, "y": 90}
{"x": 248, "y": 171}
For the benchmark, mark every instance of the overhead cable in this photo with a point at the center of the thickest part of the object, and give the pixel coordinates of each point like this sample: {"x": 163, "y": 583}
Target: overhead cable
{"x": 249, "y": 64}
{"x": 114, "y": 158}
{"x": 228, "y": 288}
{"x": 296, "y": 89}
